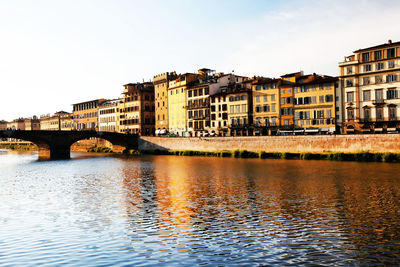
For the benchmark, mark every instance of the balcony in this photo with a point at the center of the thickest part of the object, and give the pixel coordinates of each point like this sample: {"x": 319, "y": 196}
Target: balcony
{"x": 378, "y": 101}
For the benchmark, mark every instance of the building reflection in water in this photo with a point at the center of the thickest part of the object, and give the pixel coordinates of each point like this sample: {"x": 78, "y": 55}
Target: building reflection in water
{"x": 307, "y": 208}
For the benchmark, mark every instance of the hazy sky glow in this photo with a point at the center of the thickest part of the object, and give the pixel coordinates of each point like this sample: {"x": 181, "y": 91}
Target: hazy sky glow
{"x": 55, "y": 53}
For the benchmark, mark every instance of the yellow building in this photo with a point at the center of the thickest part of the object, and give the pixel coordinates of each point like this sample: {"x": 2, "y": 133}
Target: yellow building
{"x": 240, "y": 115}
{"x": 161, "y": 83}
{"x": 177, "y": 98}
{"x": 266, "y": 105}
{"x": 314, "y": 103}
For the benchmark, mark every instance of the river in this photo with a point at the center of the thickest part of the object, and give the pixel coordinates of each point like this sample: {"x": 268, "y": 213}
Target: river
{"x": 152, "y": 210}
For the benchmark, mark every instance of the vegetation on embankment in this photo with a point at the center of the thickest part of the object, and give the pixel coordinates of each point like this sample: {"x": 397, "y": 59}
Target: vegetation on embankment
{"x": 100, "y": 149}
{"x": 335, "y": 156}
{"x": 20, "y": 147}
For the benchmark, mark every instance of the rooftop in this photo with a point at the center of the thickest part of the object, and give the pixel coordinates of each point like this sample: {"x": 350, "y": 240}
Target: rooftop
{"x": 388, "y": 44}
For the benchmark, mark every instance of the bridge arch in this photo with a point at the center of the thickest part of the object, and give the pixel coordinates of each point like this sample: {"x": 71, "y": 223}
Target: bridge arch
{"x": 57, "y": 144}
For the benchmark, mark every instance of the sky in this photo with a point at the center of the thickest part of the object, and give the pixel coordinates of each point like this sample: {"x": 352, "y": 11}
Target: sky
{"x": 54, "y": 53}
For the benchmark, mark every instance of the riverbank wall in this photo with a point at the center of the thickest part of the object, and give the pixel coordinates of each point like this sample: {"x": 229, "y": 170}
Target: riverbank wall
{"x": 387, "y": 143}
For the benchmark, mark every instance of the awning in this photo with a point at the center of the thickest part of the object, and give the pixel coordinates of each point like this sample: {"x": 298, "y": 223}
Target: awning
{"x": 391, "y": 129}
{"x": 157, "y": 131}
{"x": 299, "y": 131}
{"x": 378, "y": 129}
{"x": 312, "y": 130}
{"x": 163, "y": 131}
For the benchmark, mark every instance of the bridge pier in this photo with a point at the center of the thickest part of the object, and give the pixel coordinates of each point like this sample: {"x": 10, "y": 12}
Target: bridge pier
{"x": 54, "y": 152}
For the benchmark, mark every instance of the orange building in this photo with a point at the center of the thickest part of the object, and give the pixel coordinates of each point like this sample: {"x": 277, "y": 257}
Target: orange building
{"x": 85, "y": 115}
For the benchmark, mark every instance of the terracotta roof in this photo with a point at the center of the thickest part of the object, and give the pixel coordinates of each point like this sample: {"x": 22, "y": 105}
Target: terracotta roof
{"x": 389, "y": 44}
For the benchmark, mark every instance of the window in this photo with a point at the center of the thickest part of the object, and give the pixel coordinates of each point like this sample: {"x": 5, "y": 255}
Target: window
{"x": 194, "y": 92}
{"x": 266, "y": 108}
{"x": 231, "y": 99}
{"x": 237, "y": 98}
{"x": 390, "y": 53}
{"x": 328, "y": 113}
{"x": 282, "y": 101}
{"x": 379, "y": 95}
{"x": 391, "y": 78}
{"x": 257, "y": 98}
{"x": 289, "y": 90}
{"x": 273, "y": 107}
{"x": 329, "y": 98}
{"x": 365, "y": 57}
{"x": 378, "y": 79}
{"x": 258, "y": 88}
{"x": 367, "y": 67}
{"x": 379, "y": 114}
{"x": 379, "y": 66}
{"x": 392, "y": 113}
{"x": 350, "y": 97}
{"x": 282, "y": 91}
{"x": 243, "y": 97}
{"x": 391, "y": 94}
{"x": 367, "y": 114}
{"x": 272, "y": 97}
{"x": 200, "y": 92}
{"x": 349, "y": 83}
{"x": 190, "y": 94}
{"x": 350, "y": 114}
{"x": 232, "y": 109}
{"x": 391, "y": 64}
{"x": 244, "y": 108}
{"x": 237, "y": 108}
{"x": 265, "y": 98}
{"x": 378, "y": 55}
{"x": 349, "y": 70}
{"x": 258, "y": 109}
{"x": 366, "y": 80}
{"x": 321, "y": 99}
{"x": 366, "y": 95}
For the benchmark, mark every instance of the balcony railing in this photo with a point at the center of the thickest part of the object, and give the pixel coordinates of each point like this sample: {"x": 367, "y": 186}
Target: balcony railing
{"x": 378, "y": 101}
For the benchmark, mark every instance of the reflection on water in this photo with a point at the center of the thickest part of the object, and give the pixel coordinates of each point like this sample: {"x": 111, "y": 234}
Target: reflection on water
{"x": 191, "y": 210}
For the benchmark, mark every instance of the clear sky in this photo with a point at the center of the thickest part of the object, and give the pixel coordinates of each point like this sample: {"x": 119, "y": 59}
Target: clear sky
{"x": 54, "y": 53}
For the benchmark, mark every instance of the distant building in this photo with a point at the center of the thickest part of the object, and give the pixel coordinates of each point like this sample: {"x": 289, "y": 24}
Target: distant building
{"x": 108, "y": 115}
{"x": 32, "y": 124}
{"x": 138, "y": 113}
{"x": 85, "y": 115}
{"x": 61, "y": 120}
{"x": 66, "y": 121}
{"x": 3, "y": 125}
{"x": 17, "y": 124}
{"x": 370, "y": 82}
{"x": 161, "y": 84}
{"x": 286, "y": 96}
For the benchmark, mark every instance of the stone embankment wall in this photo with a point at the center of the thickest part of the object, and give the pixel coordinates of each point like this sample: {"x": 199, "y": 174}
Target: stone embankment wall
{"x": 317, "y": 144}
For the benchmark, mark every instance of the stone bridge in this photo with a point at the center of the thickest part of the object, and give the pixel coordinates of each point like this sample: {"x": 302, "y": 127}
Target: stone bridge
{"x": 57, "y": 144}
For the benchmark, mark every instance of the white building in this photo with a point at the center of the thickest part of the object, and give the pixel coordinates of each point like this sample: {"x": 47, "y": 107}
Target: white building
{"x": 108, "y": 116}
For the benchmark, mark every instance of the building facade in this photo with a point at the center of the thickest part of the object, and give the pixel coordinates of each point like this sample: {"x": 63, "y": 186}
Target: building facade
{"x": 3, "y": 125}
{"x": 177, "y": 101}
{"x": 161, "y": 84}
{"x": 32, "y": 124}
{"x": 17, "y": 124}
{"x": 266, "y": 105}
{"x": 85, "y": 115}
{"x": 370, "y": 81}
{"x": 314, "y": 104}
{"x": 108, "y": 113}
{"x": 138, "y": 113}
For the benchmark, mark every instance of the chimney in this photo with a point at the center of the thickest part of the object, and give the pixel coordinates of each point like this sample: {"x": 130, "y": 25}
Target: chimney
{"x": 390, "y": 42}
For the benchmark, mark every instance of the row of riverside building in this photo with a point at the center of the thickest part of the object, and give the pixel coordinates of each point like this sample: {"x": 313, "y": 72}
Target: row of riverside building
{"x": 364, "y": 98}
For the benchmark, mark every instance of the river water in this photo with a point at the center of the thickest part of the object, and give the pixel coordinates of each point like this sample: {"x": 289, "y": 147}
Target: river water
{"x": 102, "y": 211}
